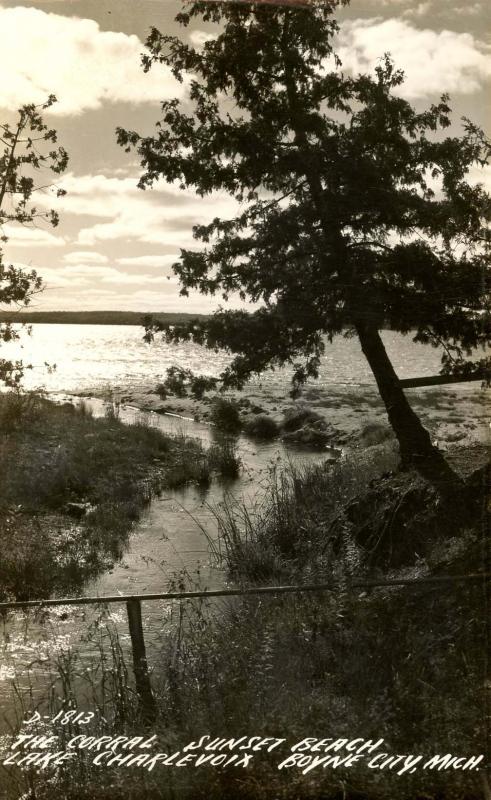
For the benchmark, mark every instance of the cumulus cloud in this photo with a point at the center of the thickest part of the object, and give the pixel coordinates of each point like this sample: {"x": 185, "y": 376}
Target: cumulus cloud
{"x": 434, "y": 62}
{"x": 46, "y": 53}
{"x": 78, "y": 277}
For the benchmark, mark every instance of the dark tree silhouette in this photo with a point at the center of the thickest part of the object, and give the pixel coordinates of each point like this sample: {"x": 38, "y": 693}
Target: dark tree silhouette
{"x": 357, "y": 212}
{"x": 26, "y": 151}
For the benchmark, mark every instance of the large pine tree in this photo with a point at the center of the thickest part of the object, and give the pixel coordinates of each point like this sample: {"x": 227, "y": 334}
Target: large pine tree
{"x": 357, "y": 211}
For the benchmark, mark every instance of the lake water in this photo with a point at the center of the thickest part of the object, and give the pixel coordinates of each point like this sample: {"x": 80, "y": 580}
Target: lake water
{"x": 89, "y": 357}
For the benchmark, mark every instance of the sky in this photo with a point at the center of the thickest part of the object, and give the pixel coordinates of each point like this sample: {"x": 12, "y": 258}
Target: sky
{"x": 115, "y": 244}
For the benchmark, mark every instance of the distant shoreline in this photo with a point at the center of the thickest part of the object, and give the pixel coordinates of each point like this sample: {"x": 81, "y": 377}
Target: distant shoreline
{"x": 95, "y": 317}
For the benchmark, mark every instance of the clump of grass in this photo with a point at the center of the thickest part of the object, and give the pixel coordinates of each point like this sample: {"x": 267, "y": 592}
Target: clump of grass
{"x": 223, "y": 456}
{"x": 262, "y": 427}
{"x": 298, "y": 416}
{"x": 18, "y": 409}
{"x": 374, "y": 433}
{"x": 84, "y": 409}
{"x": 189, "y": 462}
{"x": 297, "y": 526}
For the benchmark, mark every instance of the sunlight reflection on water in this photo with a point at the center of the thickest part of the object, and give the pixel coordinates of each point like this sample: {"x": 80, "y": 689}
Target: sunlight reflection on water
{"x": 95, "y": 356}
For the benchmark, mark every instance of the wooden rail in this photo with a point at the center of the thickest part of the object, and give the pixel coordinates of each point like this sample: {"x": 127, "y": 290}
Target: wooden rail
{"x": 248, "y": 590}
{"x": 135, "y": 623}
{"x": 438, "y": 380}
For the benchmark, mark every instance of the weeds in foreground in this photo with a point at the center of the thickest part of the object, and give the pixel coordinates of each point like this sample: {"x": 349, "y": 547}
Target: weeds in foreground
{"x": 403, "y": 665}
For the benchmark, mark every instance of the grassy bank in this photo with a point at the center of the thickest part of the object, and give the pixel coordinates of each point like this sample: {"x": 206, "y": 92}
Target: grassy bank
{"x": 404, "y": 664}
{"x": 72, "y": 486}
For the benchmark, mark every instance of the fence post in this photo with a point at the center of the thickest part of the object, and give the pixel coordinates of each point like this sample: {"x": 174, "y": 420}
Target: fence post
{"x": 140, "y": 666}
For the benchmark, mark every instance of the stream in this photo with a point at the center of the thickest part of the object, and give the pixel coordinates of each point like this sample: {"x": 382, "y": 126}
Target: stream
{"x": 171, "y": 541}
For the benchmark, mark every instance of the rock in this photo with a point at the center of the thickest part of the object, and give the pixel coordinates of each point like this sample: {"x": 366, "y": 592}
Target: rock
{"x": 457, "y": 436}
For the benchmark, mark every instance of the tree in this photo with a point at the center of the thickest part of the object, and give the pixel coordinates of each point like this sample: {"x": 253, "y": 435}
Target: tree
{"x": 22, "y": 157}
{"x": 356, "y": 210}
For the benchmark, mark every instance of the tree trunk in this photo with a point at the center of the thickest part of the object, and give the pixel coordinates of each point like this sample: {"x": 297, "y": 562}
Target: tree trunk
{"x": 414, "y": 440}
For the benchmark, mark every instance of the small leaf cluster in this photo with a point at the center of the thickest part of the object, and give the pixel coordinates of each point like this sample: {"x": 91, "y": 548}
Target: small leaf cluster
{"x": 29, "y": 147}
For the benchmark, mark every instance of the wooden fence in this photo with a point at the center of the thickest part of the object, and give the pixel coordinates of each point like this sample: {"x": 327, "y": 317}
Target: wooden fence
{"x": 135, "y": 622}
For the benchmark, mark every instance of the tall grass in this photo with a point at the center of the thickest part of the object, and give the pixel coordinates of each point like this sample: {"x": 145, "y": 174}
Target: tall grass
{"x": 296, "y": 526}
{"x": 386, "y": 665}
{"x": 223, "y": 456}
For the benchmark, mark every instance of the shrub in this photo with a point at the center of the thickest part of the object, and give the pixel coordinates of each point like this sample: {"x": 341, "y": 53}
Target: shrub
{"x": 161, "y": 390}
{"x": 176, "y": 380}
{"x": 18, "y": 408}
{"x": 188, "y": 463}
{"x": 225, "y": 415}
{"x": 262, "y": 427}
{"x": 199, "y": 384}
{"x": 180, "y": 382}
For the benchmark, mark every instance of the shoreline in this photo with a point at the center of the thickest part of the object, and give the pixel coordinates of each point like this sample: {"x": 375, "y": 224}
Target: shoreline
{"x": 354, "y": 416}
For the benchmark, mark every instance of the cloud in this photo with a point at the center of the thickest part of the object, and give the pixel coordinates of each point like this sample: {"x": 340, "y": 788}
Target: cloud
{"x": 199, "y": 38}
{"x": 472, "y": 10}
{"x": 79, "y": 276}
{"x": 87, "y": 257}
{"x": 104, "y": 274}
{"x": 45, "y": 53}
{"x": 418, "y": 11}
{"x": 31, "y": 237}
{"x": 434, "y": 62}
{"x": 78, "y": 286}
{"x": 480, "y": 175}
{"x": 164, "y": 216}
{"x": 161, "y": 261}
